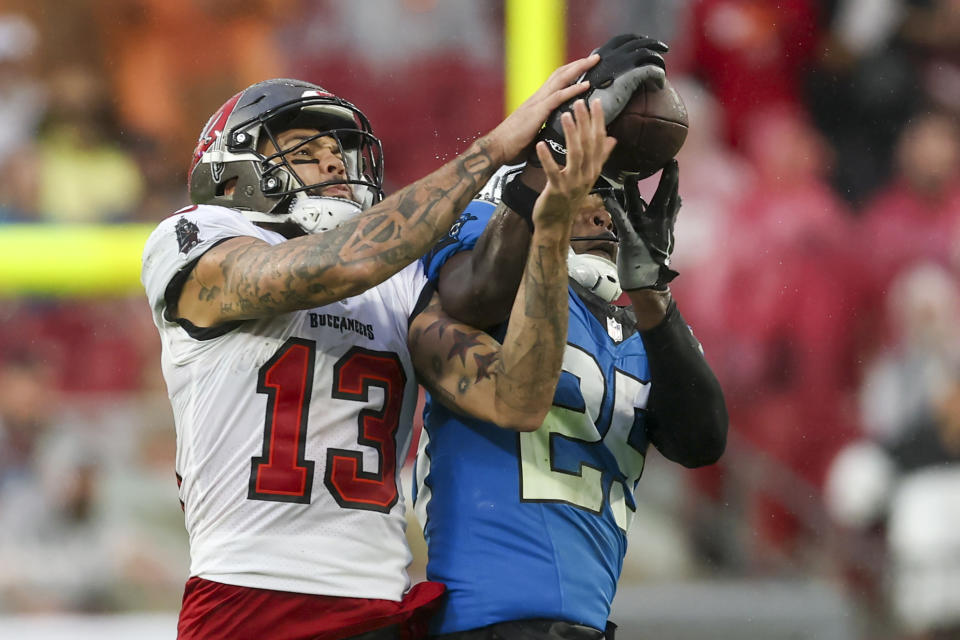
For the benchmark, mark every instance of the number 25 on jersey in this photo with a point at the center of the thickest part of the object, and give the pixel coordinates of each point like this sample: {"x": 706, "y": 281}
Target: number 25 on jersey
{"x": 542, "y": 480}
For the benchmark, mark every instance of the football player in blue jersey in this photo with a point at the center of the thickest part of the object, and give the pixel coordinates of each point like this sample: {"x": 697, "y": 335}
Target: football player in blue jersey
{"x": 529, "y": 530}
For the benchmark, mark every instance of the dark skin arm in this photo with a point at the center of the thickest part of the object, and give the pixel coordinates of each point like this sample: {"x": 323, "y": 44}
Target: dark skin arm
{"x": 478, "y": 286}
{"x": 688, "y": 415}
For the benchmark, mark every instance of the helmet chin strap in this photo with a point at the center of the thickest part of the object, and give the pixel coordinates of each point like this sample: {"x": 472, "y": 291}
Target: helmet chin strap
{"x": 316, "y": 214}
{"x": 595, "y": 274}
{"x": 313, "y": 214}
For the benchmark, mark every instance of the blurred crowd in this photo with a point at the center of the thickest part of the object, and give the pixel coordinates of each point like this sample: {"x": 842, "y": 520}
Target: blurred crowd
{"x": 818, "y": 246}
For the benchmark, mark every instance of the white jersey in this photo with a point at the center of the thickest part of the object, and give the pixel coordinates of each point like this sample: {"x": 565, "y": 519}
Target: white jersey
{"x": 289, "y": 429}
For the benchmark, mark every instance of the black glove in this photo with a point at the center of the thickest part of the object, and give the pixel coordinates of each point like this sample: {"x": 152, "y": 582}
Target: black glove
{"x": 626, "y": 62}
{"x": 645, "y": 231}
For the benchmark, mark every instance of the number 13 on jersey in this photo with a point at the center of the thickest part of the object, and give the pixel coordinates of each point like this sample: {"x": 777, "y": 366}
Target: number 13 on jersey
{"x": 282, "y": 473}
{"x": 543, "y": 481}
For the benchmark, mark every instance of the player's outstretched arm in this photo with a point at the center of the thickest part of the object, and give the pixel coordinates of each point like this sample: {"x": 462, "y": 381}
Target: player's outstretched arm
{"x": 512, "y": 384}
{"x": 687, "y": 414}
{"x": 245, "y": 278}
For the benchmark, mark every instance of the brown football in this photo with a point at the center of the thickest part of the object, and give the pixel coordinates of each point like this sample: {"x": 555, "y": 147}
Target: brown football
{"x": 649, "y": 131}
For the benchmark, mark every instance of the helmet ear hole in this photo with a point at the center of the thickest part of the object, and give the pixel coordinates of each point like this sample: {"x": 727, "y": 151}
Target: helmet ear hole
{"x": 226, "y": 187}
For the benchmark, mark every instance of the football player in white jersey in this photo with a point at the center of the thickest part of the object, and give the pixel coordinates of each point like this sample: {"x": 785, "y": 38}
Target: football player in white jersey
{"x": 293, "y": 313}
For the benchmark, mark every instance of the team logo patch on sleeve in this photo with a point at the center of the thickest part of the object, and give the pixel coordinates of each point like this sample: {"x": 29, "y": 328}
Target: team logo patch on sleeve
{"x": 451, "y": 238}
{"x": 188, "y": 235}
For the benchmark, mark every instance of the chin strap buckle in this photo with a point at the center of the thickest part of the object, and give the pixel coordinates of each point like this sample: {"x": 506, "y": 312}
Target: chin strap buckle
{"x": 595, "y": 274}
{"x": 316, "y": 214}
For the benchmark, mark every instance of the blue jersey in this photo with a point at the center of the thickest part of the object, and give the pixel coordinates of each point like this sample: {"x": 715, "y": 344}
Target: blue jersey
{"x": 533, "y": 525}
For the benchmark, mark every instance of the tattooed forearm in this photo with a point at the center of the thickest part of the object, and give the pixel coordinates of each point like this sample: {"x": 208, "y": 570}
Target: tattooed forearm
{"x": 488, "y": 365}
{"x": 246, "y": 278}
{"x": 510, "y": 384}
{"x": 407, "y": 223}
{"x": 261, "y": 280}
{"x": 208, "y": 294}
{"x": 462, "y": 342}
{"x": 439, "y": 392}
{"x": 536, "y": 336}
{"x": 541, "y": 292}
{"x": 452, "y": 358}
{"x": 440, "y": 325}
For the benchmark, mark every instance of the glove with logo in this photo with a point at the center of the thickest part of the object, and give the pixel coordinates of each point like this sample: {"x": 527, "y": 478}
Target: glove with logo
{"x": 626, "y": 62}
{"x": 645, "y": 232}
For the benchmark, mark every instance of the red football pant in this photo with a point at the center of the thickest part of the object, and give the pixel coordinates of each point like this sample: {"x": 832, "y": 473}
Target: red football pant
{"x": 215, "y": 611}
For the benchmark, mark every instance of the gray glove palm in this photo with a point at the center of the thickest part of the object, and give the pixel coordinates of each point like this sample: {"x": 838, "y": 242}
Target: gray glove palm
{"x": 626, "y": 62}
{"x": 645, "y": 232}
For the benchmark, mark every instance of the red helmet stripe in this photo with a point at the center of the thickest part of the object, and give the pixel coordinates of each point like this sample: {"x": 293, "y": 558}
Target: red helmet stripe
{"x": 213, "y": 129}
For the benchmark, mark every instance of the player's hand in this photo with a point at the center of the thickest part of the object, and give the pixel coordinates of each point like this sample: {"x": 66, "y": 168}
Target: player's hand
{"x": 567, "y": 186}
{"x": 511, "y": 139}
{"x": 626, "y": 62}
{"x": 646, "y": 232}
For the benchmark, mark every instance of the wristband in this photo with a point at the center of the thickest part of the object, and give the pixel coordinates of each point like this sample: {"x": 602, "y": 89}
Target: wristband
{"x": 520, "y": 199}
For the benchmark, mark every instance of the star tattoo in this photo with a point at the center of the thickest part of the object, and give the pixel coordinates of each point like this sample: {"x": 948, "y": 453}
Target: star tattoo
{"x": 462, "y": 342}
{"x": 484, "y": 364}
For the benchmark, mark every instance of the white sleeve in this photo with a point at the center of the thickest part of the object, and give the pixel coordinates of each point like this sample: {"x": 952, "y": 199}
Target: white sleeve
{"x": 180, "y": 240}
{"x": 411, "y": 282}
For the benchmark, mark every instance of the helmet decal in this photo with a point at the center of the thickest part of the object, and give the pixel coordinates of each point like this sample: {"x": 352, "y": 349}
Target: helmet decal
{"x": 212, "y": 133}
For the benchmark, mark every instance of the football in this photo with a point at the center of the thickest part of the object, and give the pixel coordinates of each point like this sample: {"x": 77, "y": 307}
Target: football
{"x": 649, "y": 131}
